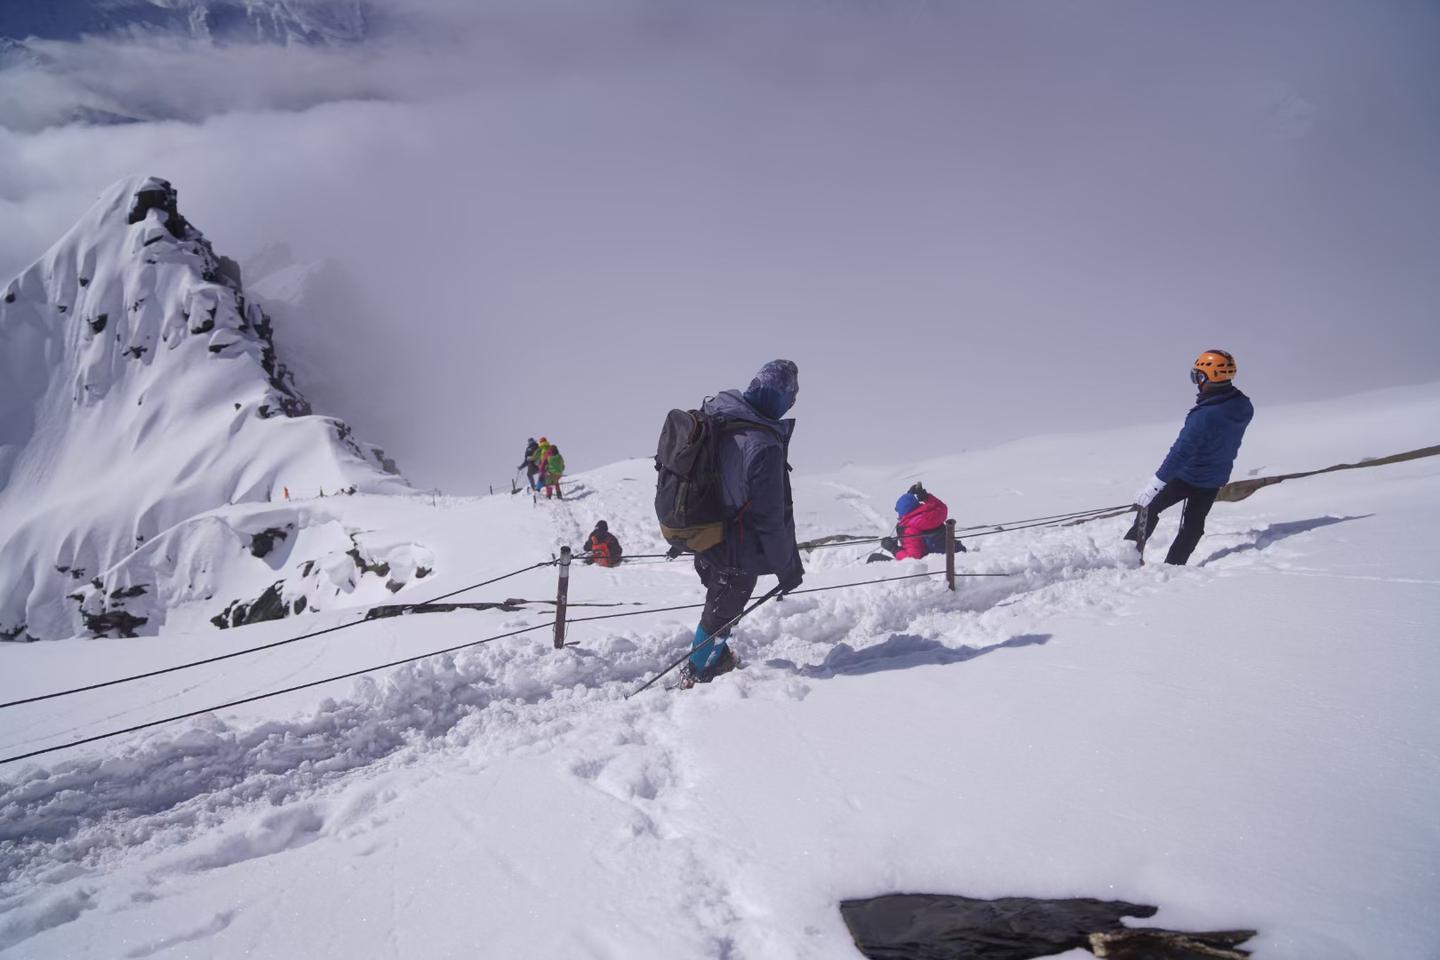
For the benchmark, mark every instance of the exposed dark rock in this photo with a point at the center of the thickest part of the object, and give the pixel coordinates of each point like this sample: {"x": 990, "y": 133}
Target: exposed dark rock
{"x": 136, "y": 352}
{"x": 267, "y": 606}
{"x": 290, "y": 402}
{"x": 17, "y": 634}
{"x": 158, "y": 194}
{"x": 97, "y": 325}
{"x": 9, "y": 296}
{"x": 306, "y": 567}
{"x": 125, "y": 593}
{"x": 217, "y": 347}
{"x": 63, "y": 309}
{"x": 386, "y": 463}
{"x": 298, "y": 607}
{"x": 422, "y": 572}
{"x": 263, "y": 542}
{"x": 206, "y": 325}
{"x": 365, "y": 566}
{"x": 228, "y": 272}
{"x": 120, "y": 622}
{"x": 394, "y": 586}
{"x": 933, "y": 927}
{"x": 84, "y": 281}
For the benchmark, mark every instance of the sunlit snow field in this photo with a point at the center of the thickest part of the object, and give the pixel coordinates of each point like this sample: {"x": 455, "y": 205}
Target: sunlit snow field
{"x": 1248, "y": 742}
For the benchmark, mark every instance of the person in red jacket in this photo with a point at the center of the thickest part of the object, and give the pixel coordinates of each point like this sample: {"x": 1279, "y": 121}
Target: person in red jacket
{"x": 921, "y": 527}
{"x": 602, "y": 547}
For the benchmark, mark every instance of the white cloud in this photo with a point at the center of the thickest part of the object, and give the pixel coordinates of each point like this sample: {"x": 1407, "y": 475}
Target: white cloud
{"x": 964, "y": 222}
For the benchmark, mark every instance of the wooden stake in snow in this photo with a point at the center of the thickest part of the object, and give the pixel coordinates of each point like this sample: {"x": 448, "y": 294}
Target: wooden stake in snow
{"x": 950, "y": 554}
{"x": 562, "y": 593}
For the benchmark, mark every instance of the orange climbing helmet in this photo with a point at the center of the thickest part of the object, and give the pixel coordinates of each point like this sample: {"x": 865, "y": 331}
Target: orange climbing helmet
{"x": 1213, "y": 366}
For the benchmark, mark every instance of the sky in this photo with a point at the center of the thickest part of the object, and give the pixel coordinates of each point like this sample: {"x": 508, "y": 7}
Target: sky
{"x": 966, "y": 222}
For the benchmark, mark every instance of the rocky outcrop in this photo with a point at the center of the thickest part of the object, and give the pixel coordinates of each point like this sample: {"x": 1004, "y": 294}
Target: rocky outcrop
{"x": 142, "y": 389}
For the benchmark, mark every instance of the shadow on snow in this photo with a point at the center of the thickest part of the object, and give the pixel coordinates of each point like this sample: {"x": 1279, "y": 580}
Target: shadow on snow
{"x": 901, "y": 652}
{"x": 1276, "y": 532}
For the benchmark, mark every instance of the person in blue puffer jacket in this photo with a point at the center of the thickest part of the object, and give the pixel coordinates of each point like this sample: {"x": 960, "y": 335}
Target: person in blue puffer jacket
{"x": 1201, "y": 458}
{"x": 760, "y": 531}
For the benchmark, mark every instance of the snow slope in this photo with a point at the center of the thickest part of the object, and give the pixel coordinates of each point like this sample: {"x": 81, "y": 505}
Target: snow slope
{"x": 139, "y": 394}
{"x": 1250, "y": 741}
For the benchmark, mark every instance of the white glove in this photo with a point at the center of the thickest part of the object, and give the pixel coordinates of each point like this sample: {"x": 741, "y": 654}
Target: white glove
{"x": 1149, "y": 491}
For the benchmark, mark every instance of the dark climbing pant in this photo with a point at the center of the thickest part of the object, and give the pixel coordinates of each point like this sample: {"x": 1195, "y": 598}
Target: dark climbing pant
{"x": 1198, "y": 501}
{"x": 726, "y": 593}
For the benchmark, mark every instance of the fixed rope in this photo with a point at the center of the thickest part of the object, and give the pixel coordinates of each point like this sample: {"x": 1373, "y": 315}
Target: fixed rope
{"x": 435, "y": 602}
{"x": 979, "y": 530}
{"x": 263, "y": 696}
{"x": 433, "y": 653}
{"x": 249, "y": 650}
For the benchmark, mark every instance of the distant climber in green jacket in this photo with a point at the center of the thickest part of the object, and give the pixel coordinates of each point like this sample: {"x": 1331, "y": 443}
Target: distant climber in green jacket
{"x": 554, "y": 468}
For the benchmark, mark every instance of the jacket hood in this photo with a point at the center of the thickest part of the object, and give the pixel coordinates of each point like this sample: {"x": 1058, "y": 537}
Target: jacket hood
{"x": 731, "y": 405}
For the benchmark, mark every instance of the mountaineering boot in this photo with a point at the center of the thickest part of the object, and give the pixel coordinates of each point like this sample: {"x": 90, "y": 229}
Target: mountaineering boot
{"x": 723, "y": 663}
{"x": 707, "y": 664}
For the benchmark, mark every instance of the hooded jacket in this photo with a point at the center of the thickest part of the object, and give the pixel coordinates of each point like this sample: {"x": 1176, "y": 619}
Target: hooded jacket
{"x": 603, "y": 548}
{"x": 754, "y": 477}
{"x": 927, "y": 515}
{"x": 1204, "y": 452}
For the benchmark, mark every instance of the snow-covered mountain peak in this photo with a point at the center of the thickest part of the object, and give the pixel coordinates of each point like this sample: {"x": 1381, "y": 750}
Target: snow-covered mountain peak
{"x": 139, "y": 389}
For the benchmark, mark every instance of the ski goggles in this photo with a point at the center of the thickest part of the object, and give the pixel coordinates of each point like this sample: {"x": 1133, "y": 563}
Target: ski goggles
{"x": 1198, "y": 377}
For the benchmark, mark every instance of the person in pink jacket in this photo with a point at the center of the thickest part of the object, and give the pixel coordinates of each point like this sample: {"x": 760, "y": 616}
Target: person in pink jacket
{"x": 921, "y": 527}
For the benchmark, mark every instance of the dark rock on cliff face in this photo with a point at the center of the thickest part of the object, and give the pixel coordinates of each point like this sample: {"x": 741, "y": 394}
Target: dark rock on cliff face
{"x": 16, "y": 634}
{"x": 263, "y": 542}
{"x": 267, "y": 606}
{"x": 158, "y": 194}
{"x": 119, "y": 622}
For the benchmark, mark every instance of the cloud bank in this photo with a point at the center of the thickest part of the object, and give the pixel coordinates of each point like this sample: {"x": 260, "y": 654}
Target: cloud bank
{"x": 966, "y": 222}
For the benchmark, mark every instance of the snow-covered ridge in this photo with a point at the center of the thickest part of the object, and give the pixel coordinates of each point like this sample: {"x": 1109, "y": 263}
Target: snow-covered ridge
{"x": 232, "y": 21}
{"x": 140, "y": 390}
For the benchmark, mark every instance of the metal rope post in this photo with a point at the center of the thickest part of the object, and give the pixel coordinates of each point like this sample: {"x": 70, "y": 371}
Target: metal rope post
{"x": 950, "y": 554}
{"x": 562, "y": 592}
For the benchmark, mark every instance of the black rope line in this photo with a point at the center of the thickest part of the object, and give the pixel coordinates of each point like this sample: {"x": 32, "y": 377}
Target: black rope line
{"x": 249, "y": 650}
{"x": 433, "y": 653}
{"x": 983, "y": 529}
{"x": 265, "y": 696}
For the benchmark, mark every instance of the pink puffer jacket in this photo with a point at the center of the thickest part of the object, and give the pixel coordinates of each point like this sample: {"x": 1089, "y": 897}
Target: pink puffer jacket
{"x": 930, "y": 514}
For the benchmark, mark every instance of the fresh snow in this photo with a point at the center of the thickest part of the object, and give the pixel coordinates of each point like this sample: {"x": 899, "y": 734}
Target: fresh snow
{"x": 1250, "y": 741}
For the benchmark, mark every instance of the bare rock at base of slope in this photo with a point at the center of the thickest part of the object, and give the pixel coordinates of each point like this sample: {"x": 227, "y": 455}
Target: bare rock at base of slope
{"x": 17, "y": 634}
{"x": 121, "y": 623}
{"x": 268, "y": 606}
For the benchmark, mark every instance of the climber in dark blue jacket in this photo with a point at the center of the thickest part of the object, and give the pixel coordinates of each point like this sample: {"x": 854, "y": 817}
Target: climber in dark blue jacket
{"x": 1200, "y": 459}
{"x": 760, "y": 534}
